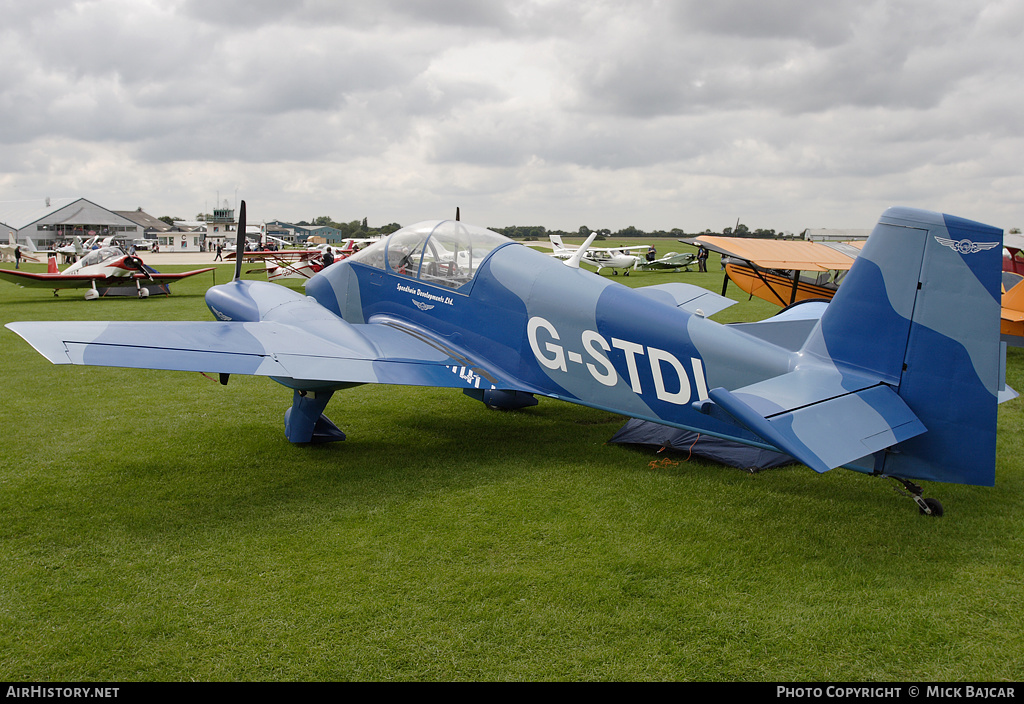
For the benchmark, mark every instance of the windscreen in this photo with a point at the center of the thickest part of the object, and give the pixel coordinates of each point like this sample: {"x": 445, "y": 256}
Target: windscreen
{"x": 446, "y": 253}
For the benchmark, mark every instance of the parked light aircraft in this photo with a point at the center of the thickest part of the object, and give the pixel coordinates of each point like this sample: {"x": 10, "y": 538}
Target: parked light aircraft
{"x": 1013, "y": 252}
{"x": 1011, "y": 323}
{"x": 673, "y": 261}
{"x": 7, "y": 253}
{"x": 899, "y": 376}
{"x": 613, "y": 258}
{"x": 782, "y": 272}
{"x": 104, "y": 268}
{"x": 295, "y": 263}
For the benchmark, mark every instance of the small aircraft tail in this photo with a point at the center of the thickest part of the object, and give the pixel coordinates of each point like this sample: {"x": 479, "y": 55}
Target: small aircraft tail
{"x": 574, "y": 261}
{"x": 51, "y": 265}
{"x": 556, "y": 242}
{"x": 920, "y": 311}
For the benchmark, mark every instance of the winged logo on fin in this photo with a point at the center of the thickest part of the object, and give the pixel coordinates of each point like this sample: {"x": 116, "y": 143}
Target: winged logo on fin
{"x": 966, "y": 246}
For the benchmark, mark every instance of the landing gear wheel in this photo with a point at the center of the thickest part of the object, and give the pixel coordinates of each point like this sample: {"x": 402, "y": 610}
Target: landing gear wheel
{"x": 927, "y": 507}
{"x": 934, "y": 508}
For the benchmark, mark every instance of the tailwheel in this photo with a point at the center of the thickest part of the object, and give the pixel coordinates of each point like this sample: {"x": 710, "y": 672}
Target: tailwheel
{"x": 931, "y": 507}
{"x": 926, "y": 506}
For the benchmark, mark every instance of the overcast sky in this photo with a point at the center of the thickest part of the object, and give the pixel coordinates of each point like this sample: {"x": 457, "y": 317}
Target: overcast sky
{"x": 785, "y": 114}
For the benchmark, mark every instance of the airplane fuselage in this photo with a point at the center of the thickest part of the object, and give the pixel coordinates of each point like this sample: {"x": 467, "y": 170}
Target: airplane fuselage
{"x": 604, "y": 259}
{"x": 527, "y": 321}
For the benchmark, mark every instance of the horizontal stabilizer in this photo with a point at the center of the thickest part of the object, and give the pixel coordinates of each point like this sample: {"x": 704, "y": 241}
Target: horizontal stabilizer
{"x": 790, "y": 328}
{"x": 818, "y": 420}
{"x": 687, "y": 297}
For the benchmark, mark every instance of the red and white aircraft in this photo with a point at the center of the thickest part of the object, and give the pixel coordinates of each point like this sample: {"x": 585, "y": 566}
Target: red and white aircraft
{"x": 107, "y": 267}
{"x": 298, "y": 263}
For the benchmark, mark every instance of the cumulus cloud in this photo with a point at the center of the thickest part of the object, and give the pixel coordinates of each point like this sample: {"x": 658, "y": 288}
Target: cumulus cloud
{"x": 651, "y": 113}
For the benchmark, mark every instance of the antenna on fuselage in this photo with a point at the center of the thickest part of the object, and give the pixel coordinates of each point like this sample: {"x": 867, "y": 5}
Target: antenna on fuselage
{"x": 456, "y": 213}
{"x": 240, "y": 242}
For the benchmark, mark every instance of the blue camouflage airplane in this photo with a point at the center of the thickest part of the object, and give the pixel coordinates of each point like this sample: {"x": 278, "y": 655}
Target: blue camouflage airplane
{"x": 899, "y": 376}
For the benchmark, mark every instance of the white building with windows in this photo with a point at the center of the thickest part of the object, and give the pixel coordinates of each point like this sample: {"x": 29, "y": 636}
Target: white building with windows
{"x": 39, "y": 224}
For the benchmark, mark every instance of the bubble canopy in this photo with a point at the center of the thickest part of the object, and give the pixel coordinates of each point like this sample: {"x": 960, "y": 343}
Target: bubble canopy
{"x": 440, "y": 252}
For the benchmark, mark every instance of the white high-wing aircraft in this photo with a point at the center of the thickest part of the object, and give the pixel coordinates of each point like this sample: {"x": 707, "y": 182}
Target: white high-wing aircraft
{"x": 613, "y": 258}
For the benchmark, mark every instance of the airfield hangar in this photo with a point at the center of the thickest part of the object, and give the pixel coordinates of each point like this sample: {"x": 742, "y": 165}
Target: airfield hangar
{"x": 44, "y": 222}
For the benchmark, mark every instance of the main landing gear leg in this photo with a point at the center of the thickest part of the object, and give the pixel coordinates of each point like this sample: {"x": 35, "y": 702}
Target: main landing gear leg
{"x": 305, "y": 421}
{"x": 928, "y": 507}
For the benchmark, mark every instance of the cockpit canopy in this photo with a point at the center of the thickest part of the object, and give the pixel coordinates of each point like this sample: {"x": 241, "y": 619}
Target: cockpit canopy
{"x": 439, "y": 252}
{"x": 98, "y": 256}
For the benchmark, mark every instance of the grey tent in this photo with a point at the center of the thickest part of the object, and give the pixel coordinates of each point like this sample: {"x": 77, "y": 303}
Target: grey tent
{"x": 734, "y": 454}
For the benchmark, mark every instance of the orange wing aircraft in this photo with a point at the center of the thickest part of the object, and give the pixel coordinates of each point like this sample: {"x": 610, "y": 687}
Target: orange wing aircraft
{"x": 782, "y": 272}
{"x": 1011, "y": 327}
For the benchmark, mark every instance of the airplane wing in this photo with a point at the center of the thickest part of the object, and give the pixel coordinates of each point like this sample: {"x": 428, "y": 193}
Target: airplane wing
{"x": 158, "y": 276}
{"x": 670, "y": 261}
{"x": 386, "y": 353}
{"x": 644, "y": 247}
{"x": 1013, "y": 241}
{"x": 31, "y": 280}
{"x": 823, "y": 421}
{"x": 801, "y": 255}
{"x": 53, "y": 281}
{"x": 281, "y": 255}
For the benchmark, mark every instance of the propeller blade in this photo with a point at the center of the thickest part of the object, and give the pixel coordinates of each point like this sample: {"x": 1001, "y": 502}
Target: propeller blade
{"x": 240, "y": 242}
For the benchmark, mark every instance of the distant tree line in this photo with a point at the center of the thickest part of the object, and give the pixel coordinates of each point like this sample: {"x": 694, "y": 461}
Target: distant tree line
{"x": 356, "y": 229}
{"x": 360, "y": 229}
{"x": 538, "y": 232}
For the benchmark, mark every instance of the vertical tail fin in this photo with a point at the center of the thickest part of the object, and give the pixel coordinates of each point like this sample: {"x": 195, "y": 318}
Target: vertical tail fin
{"x": 51, "y": 264}
{"x": 920, "y": 309}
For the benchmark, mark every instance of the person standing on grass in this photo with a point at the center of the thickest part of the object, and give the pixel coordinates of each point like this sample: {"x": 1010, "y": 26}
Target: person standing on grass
{"x": 702, "y": 258}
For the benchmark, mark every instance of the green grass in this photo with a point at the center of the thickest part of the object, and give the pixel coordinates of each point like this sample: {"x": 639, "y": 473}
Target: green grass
{"x": 158, "y": 526}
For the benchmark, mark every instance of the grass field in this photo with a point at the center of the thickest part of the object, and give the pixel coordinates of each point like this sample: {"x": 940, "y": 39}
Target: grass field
{"x": 158, "y": 526}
